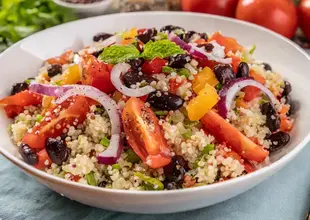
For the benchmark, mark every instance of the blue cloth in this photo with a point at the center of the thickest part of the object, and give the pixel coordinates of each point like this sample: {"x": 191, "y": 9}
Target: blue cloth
{"x": 285, "y": 196}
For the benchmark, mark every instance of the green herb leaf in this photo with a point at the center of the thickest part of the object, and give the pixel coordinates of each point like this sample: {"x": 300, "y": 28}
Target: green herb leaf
{"x": 116, "y": 166}
{"x": 168, "y": 69}
{"x": 252, "y": 49}
{"x": 39, "y": 118}
{"x": 187, "y": 135}
{"x": 105, "y": 142}
{"x": 184, "y": 72}
{"x": 219, "y": 86}
{"x": 161, "y": 48}
{"x": 132, "y": 157}
{"x": 119, "y": 54}
{"x": 162, "y": 36}
{"x": 208, "y": 148}
{"x": 151, "y": 183}
{"x": 161, "y": 113}
{"x": 90, "y": 177}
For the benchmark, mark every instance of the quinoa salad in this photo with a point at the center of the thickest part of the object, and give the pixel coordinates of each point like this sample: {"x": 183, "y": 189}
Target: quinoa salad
{"x": 148, "y": 109}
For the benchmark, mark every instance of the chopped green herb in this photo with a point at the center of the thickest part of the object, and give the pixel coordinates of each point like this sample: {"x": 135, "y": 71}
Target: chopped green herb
{"x": 208, "y": 148}
{"x": 28, "y": 81}
{"x": 90, "y": 177}
{"x": 119, "y": 54}
{"x": 39, "y": 118}
{"x": 168, "y": 69}
{"x": 132, "y": 157}
{"x": 58, "y": 83}
{"x": 161, "y": 113}
{"x": 187, "y": 135}
{"x": 183, "y": 111}
{"x": 243, "y": 59}
{"x": 161, "y": 48}
{"x": 150, "y": 183}
{"x": 262, "y": 101}
{"x": 178, "y": 31}
{"x": 191, "y": 124}
{"x": 219, "y": 86}
{"x": 184, "y": 72}
{"x": 116, "y": 166}
{"x": 105, "y": 141}
{"x": 252, "y": 49}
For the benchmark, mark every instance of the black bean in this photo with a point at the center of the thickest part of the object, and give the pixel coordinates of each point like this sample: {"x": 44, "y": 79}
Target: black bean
{"x": 101, "y": 36}
{"x": 97, "y": 53}
{"x": 188, "y": 35}
{"x": 54, "y": 70}
{"x": 19, "y": 87}
{"x": 179, "y": 60}
{"x": 175, "y": 171}
{"x": 135, "y": 63}
{"x": 267, "y": 67}
{"x": 165, "y": 100}
{"x": 272, "y": 118}
{"x": 204, "y": 36}
{"x": 171, "y": 185}
{"x": 224, "y": 73}
{"x": 56, "y": 150}
{"x": 133, "y": 77}
{"x": 147, "y": 35}
{"x": 278, "y": 140}
{"x": 208, "y": 47}
{"x": 243, "y": 70}
{"x": 170, "y": 28}
{"x": 287, "y": 88}
{"x": 103, "y": 184}
{"x": 28, "y": 154}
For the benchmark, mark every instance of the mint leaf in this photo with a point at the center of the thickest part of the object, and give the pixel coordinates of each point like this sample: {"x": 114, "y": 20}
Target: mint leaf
{"x": 161, "y": 48}
{"x": 119, "y": 54}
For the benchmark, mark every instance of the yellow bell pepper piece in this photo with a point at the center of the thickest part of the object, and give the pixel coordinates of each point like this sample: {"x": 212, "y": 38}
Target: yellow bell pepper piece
{"x": 72, "y": 75}
{"x": 132, "y": 33}
{"x": 201, "y": 104}
{"x": 203, "y": 77}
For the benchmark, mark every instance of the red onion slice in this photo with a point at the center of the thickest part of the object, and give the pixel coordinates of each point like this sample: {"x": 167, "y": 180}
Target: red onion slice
{"x": 116, "y": 72}
{"x": 230, "y": 90}
{"x": 48, "y": 90}
{"x": 216, "y": 54}
{"x": 113, "y": 151}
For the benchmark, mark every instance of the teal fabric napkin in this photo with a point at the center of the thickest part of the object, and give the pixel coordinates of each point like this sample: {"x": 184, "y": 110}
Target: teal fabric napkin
{"x": 285, "y": 196}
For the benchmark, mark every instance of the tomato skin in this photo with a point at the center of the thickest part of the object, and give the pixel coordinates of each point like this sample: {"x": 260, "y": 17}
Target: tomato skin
{"x": 23, "y": 98}
{"x": 217, "y": 7}
{"x": 57, "y": 121}
{"x": 13, "y": 110}
{"x": 174, "y": 85}
{"x": 230, "y": 44}
{"x": 224, "y": 132}
{"x": 97, "y": 74}
{"x": 43, "y": 156}
{"x": 153, "y": 66}
{"x": 304, "y": 16}
{"x": 281, "y": 15}
{"x": 62, "y": 59}
{"x": 144, "y": 134}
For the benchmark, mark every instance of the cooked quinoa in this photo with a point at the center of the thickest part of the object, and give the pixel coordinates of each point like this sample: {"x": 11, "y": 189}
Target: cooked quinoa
{"x": 178, "y": 136}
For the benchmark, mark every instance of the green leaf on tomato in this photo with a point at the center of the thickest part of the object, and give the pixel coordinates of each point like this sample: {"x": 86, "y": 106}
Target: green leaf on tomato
{"x": 161, "y": 48}
{"x": 119, "y": 54}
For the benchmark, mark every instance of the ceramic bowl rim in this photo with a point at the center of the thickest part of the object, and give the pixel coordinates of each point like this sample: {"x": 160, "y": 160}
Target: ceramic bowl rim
{"x": 275, "y": 165}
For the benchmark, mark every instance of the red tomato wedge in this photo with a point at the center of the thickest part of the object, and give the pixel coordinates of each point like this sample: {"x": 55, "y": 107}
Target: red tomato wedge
{"x": 24, "y": 98}
{"x": 55, "y": 121}
{"x": 174, "y": 85}
{"x": 43, "y": 157}
{"x": 62, "y": 59}
{"x": 13, "y": 110}
{"x": 252, "y": 92}
{"x": 97, "y": 74}
{"x": 229, "y": 43}
{"x": 224, "y": 132}
{"x": 153, "y": 66}
{"x": 144, "y": 134}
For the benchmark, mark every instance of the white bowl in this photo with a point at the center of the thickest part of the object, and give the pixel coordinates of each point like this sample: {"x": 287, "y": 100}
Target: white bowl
{"x": 91, "y": 9}
{"x": 24, "y": 58}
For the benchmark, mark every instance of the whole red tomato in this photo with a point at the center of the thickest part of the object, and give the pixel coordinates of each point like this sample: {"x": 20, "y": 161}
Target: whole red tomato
{"x": 304, "y": 16}
{"x": 277, "y": 15}
{"x": 217, "y": 7}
